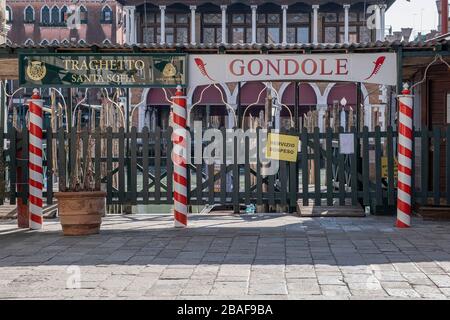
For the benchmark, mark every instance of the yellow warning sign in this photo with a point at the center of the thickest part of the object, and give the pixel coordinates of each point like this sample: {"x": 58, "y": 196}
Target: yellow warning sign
{"x": 282, "y": 147}
{"x": 384, "y": 167}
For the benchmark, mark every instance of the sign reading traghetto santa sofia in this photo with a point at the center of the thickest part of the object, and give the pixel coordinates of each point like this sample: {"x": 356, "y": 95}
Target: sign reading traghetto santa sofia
{"x": 169, "y": 70}
{"x": 102, "y": 70}
{"x": 377, "y": 68}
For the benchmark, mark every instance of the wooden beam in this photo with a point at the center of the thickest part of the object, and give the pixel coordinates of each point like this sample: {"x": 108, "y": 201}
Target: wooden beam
{"x": 9, "y": 69}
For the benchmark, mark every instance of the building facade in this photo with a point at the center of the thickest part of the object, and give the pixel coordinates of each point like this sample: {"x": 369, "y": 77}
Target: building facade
{"x": 56, "y": 22}
{"x": 209, "y": 23}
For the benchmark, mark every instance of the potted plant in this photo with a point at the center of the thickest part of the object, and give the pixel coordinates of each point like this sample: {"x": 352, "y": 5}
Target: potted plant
{"x": 81, "y": 203}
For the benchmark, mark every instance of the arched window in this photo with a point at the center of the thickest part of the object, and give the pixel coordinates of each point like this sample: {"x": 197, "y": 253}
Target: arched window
{"x": 64, "y": 14}
{"x": 44, "y": 42}
{"x": 83, "y": 15}
{"x": 55, "y": 15}
{"x": 29, "y": 14}
{"x": 106, "y": 14}
{"x": 45, "y": 15}
{"x": 9, "y": 16}
{"x": 29, "y": 42}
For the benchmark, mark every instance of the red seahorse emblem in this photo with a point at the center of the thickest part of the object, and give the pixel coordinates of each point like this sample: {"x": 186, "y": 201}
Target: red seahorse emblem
{"x": 202, "y": 67}
{"x": 378, "y": 63}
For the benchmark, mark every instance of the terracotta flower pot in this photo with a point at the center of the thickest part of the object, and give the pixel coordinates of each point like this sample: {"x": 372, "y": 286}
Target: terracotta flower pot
{"x": 81, "y": 213}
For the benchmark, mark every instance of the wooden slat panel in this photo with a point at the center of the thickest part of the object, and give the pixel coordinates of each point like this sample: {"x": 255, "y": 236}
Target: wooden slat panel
{"x": 12, "y": 165}
{"x": 304, "y": 160}
{"x": 9, "y": 69}
{"x": 365, "y": 163}
{"x": 447, "y": 164}
{"x": 329, "y": 165}
{"x": 49, "y": 147}
{"x": 283, "y": 183}
{"x": 378, "y": 183}
{"x": 169, "y": 165}
{"x": 425, "y": 168}
{"x": 25, "y": 171}
{"x": 157, "y": 164}
{"x": 133, "y": 168}
{"x": 199, "y": 179}
{"x": 341, "y": 172}
{"x": 145, "y": 163}
{"x": 223, "y": 169}
{"x": 235, "y": 177}
{"x": 354, "y": 167}
{"x": 62, "y": 156}
{"x": 121, "y": 166}
{"x": 293, "y": 183}
{"x": 97, "y": 158}
{"x": 73, "y": 141}
{"x": 316, "y": 150}
{"x": 247, "y": 170}
{"x": 109, "y": 158}
{"x": 211, "y": 184}
{"x": 259, "y": 180}
{"x": 436, "y": 164}
{"x": 390, "y": 161}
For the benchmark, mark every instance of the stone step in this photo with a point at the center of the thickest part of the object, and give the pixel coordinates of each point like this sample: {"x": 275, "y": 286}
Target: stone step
{"x": 324, "y": 210}
{"x": 429, "y": 212}
{"x": 8, "y": 211}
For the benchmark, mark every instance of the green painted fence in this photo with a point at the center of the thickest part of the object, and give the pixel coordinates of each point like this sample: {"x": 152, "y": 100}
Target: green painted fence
{"x": 323, "y": 175}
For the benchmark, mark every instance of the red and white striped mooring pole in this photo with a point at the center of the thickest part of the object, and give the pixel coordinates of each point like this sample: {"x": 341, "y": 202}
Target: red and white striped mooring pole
{"x": 179, "y": 158}
{"x": 405, "y": 155}
{"x": 36, "y": 172}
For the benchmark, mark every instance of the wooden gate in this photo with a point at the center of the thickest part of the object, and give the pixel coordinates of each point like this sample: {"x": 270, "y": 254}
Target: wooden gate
{"x": 323, "y": 174}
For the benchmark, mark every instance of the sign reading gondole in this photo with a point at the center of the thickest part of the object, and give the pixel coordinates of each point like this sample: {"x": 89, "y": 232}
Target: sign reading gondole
{"x": 378, "y": 68}
{"x": 102, "y": 70}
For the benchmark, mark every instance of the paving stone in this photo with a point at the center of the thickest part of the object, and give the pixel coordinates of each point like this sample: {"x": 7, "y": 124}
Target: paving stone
{"x": 334, "y": 290}
{"x": 402, "y": 293}
{"x": 229, "y": 257}
{"x": 229, "y": 288}
{"x": 442, "y": 281}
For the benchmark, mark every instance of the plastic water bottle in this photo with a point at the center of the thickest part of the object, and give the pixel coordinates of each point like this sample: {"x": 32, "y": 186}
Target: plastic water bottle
{"x": 250, "y": 209}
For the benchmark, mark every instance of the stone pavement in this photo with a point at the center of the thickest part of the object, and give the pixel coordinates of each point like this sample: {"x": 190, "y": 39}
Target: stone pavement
{"x": 229, "y": 257}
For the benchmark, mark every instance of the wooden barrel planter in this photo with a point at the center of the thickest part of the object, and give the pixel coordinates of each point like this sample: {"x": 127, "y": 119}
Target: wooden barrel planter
{"x": 81, "y": 213}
